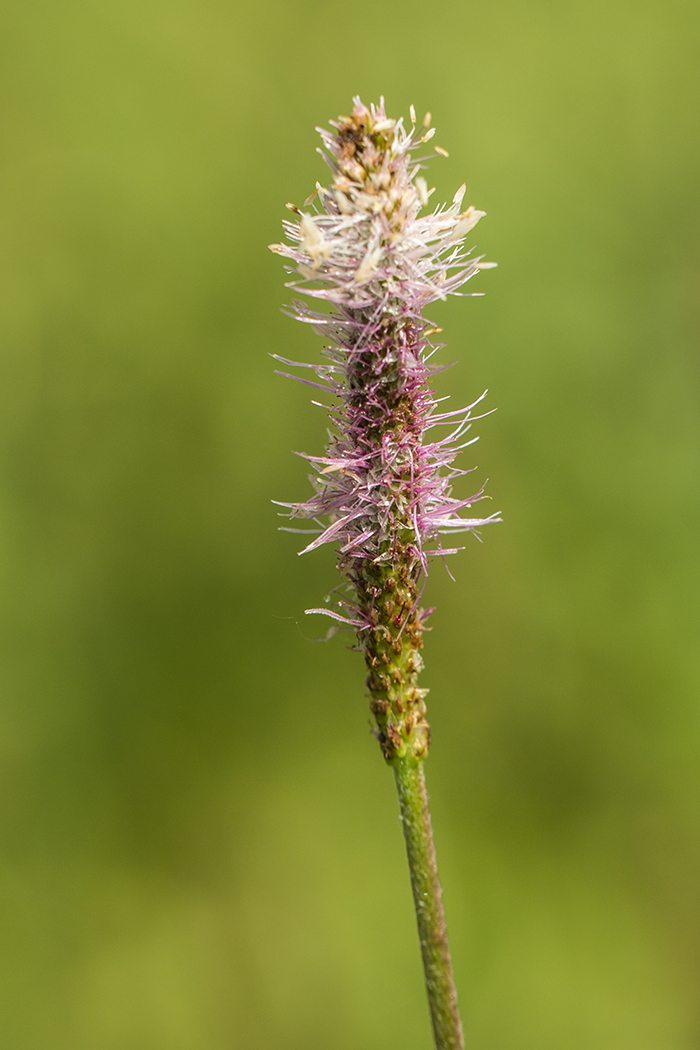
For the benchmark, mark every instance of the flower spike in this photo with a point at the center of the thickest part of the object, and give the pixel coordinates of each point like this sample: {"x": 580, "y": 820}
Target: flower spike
{"x": 383, "y": 491}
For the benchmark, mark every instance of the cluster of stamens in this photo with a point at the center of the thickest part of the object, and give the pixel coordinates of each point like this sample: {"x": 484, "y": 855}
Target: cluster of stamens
{"x": 383, "y": 492}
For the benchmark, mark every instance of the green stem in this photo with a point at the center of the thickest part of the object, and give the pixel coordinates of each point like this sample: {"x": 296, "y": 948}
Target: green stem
{"x": 427, "y": 897}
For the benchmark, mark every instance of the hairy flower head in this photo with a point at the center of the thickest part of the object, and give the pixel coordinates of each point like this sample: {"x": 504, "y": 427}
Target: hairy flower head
{"x": 383, "y": 491}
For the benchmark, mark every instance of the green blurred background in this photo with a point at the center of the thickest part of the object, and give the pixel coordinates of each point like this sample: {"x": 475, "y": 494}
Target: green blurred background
{"x": 201, "y": 848}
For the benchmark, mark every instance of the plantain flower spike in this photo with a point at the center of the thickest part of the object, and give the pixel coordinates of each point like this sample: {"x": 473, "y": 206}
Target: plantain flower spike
{"x": 383, "y": 491}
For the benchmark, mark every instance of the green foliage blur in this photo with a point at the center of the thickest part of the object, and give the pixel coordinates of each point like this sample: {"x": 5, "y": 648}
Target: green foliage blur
{"x": 200, "y": 843}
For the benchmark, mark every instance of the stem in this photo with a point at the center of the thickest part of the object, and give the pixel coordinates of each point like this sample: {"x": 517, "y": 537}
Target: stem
{"x": 427, "y": 897}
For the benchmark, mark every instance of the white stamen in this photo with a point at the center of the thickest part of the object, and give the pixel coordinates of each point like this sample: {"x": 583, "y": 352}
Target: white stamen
{"x": 368, "y": 265}
{"x": 467, "y": 222}
{"x": 312, "y": 241}
{"x": 422, "y": 188}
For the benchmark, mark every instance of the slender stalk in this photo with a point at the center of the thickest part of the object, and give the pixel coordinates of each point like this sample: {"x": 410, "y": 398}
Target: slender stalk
{"x": 427, "y": 897}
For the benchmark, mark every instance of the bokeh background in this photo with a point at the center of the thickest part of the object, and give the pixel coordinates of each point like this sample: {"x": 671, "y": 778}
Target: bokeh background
{"x": 201, "y": 848}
